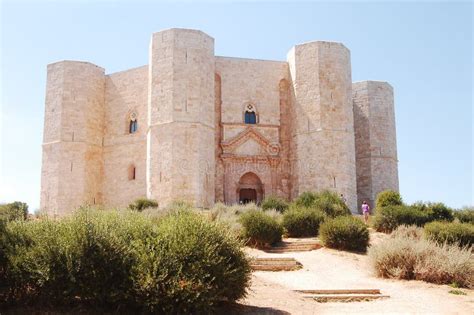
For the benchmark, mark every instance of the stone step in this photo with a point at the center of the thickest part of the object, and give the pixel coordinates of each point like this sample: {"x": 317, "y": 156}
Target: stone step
{"x": 293, "y": 247}
{"x": 344, "y": 297}
{"x": 274, "y": 260}
{"x": 275, "y": 264}
{"x": 344, "y": 291}
{"x": 299, "y": 246}
{"x": 289, "y": 250}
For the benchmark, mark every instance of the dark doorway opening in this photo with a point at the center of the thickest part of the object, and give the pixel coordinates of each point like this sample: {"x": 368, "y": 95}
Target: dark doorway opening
{"x": 248, "y": 195}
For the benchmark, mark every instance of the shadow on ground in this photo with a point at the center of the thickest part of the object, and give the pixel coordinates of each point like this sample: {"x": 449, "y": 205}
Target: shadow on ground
{"x": 235, "y": 308}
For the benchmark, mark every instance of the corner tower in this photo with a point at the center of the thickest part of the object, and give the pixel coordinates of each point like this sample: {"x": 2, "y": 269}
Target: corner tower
{"x": 180, "y": 151}
{"x": 323, "y": 151}
{"x": 72, "y": 140}
{"x": 375, "y": 139}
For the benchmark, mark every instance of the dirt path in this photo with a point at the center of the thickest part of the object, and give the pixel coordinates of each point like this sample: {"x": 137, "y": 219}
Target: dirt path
{"x": 271, "y": 292}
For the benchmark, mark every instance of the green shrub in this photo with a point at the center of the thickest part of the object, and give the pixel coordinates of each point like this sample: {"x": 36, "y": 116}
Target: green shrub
{"x": 274, "y": 202}
{"x": 13, "y": 211}
{"x": 230, "y": 214}
{"x": 451, "y": 233}
{"x": 301, "y": 221}
{"x": 346, "y": 232}
{"x": 330, "y": 203}
{"x": 465, "y": 215}
{"x": 141, "y": 204}
{"x": 198, "y": 264}
{"x": 327, "y": 201}
{"x": 389, "y": 218}
{"x": 439, "y": 212}
{"x": 306, "y": 199}
{"x": 183, "y": 264}
{"x": 86, "y": 256}
{"x": 408, "y": 258}
{"x": 260, "y": 229}
{"x": 435, "y": 211}
{"x": 388, "y": 198}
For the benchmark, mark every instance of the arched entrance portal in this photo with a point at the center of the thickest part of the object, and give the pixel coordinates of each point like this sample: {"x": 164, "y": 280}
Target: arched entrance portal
{"x": 250, "y": 189}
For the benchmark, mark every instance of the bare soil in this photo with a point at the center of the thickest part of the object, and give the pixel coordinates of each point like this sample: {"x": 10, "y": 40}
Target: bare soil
{"x": 272, "y": 292}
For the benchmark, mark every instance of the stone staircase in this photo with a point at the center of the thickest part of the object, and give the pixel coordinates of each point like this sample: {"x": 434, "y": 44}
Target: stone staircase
{"x": 294, "y": 246}
{"x": 350, "y": 295}
{"x": 275, "y": 264}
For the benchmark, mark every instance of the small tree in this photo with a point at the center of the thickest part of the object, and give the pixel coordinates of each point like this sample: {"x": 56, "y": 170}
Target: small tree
{"x": 14, "y": 211}
{"x": 388, "y": 198}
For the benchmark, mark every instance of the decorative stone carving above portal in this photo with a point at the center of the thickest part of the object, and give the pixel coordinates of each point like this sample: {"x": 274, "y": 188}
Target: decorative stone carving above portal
{"x": 250, "y": 143}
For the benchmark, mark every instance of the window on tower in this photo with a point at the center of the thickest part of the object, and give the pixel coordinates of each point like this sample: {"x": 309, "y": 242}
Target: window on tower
{"x": 132, "y": 122}
{"x": 132, "y": 172}
{"x": 250, "y": 117}
{"x": 133, "y": 126}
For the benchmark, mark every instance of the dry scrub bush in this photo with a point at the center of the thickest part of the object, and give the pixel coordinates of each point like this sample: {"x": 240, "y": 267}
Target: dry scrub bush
{"x": 229, "y": 215}
{"x": 408, "y": 258}
{"x": 408, "y": 231}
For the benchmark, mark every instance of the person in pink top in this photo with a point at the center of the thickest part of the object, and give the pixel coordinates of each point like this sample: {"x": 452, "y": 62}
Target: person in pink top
{"x": 365, "y": 211}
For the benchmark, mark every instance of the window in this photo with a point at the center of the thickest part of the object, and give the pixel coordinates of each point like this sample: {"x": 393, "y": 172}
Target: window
{"x": 250, "y": 118}
{"x": 133, "y": 123}
{"x": 133, "y": 126}
{"x": 132, "y": 172}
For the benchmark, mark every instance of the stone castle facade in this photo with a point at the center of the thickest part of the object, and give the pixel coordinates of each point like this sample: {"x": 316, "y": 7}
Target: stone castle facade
{"x": 194, "y": 126}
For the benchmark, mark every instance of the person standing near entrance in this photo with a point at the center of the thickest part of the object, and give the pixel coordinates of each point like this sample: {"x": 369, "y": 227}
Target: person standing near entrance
{"x": 365, "y": 211}
{"x": 343, "y": 199}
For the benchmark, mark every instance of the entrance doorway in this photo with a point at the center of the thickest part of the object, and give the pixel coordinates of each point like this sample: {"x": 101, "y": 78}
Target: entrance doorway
{"x": 248, "y": 195}
{"x": 250, "y": 189}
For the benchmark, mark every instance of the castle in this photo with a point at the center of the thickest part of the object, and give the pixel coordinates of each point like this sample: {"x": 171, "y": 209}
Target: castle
{"x": 194, "y": 126}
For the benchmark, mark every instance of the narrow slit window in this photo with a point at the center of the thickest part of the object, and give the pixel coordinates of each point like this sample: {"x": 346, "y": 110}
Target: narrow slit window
{"x": 133, "y": 126}
{"x": 132, "y": 172}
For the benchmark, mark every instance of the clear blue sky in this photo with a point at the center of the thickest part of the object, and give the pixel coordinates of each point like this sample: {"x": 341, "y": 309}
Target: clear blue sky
{"x": 423, "y": 49}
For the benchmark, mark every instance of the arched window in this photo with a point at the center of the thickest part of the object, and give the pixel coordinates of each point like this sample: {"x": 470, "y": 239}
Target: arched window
{"x": 132, "y": 172}
{"x": 133, "y": 123}
{"x": 250, "y": 117}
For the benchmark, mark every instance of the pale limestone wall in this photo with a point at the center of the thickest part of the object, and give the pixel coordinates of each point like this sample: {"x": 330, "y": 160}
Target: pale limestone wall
{"x": 323, "y": 133}
{"x": 192, "y": 142}
{"x": 72, "y": 145}
{"x": 180, "y": 154}
{"x": 376, "y": 147}
{"x": 126, "y": 92}
{"x": 251, "y": 81}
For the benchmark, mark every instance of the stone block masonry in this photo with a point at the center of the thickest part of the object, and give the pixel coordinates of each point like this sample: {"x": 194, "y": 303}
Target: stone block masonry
{"x": 203, "y": 128}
